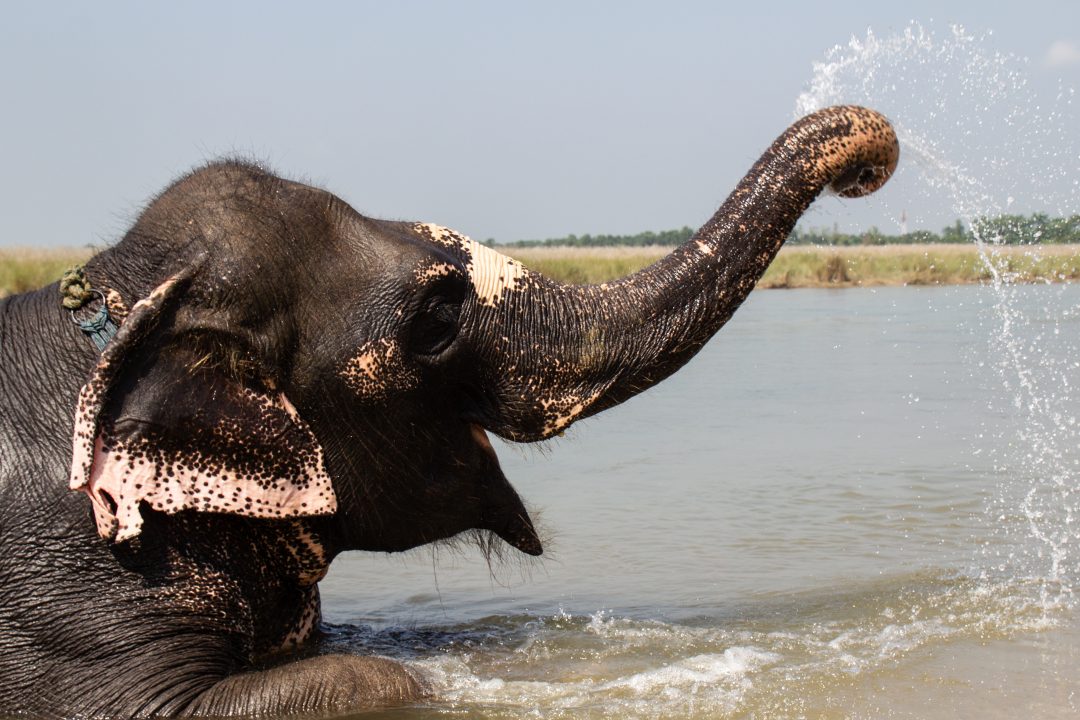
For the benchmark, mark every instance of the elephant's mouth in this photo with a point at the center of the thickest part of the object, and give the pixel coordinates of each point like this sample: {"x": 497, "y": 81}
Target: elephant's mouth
{"x": 480, "y": 435}
{"x": 504, "y": 514}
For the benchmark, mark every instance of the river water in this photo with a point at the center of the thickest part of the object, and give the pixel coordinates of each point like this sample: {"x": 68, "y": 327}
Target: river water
{"x": 833, "y": 511}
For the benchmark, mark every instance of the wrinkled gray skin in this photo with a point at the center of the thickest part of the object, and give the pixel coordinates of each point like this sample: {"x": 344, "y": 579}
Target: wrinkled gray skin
{"x": 181, "y": 590}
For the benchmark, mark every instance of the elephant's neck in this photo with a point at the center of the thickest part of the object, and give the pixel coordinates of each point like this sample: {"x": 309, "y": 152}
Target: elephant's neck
{"x": 253, "y": 579}
{"x": 45, "y": 360}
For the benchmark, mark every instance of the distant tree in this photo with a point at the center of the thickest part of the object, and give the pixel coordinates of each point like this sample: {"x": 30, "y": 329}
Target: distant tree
{"x": 872, "y": 236}
{"x": 955, "y": 233}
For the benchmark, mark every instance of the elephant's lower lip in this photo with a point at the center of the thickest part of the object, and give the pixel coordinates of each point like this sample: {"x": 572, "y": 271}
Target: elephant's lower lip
{"x": 481, "y": 437}
{"x": 508, "y": 518}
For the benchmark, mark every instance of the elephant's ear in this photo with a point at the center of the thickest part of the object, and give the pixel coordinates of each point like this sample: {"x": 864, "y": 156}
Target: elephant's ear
{"x": 160, "y": 423}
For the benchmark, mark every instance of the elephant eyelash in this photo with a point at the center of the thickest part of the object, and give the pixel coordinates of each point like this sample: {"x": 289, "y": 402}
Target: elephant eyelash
{"x": 435, "y": 327}
{"x": 436, "y": 319}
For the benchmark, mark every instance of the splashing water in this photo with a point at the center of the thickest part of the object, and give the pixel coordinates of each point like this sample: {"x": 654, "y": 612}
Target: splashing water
{"x": 974, "y": 130}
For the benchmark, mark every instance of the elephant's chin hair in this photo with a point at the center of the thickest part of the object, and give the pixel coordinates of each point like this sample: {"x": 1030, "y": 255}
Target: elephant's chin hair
{"x": 501, "y": 557}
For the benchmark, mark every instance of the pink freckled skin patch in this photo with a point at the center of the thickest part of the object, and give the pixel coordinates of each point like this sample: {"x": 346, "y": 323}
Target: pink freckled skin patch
{"x": 493, "y": 274}
{"x": 125, "y": 472}
{"x": 435, "y": 270}
{"x": 377, "y": 369}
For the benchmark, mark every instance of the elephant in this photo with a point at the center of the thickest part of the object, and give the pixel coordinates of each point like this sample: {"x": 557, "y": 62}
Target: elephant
{"x": 286, "y": 379}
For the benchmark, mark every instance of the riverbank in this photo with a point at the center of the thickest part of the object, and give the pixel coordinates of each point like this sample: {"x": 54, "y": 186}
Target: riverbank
{"x": 795, "y": 267}
{"x": 825, "y": 266}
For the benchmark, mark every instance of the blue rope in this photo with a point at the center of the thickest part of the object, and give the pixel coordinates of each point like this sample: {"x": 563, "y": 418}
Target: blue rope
{"x": 76, "y": 293}
{"x": 100, "y": 328}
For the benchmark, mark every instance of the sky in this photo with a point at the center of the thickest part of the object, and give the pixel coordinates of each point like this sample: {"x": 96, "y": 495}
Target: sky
{"x": 503, "y": 120}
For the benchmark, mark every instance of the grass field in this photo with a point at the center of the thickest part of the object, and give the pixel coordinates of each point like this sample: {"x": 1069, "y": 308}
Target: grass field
{"x": 23, "y": 269}
{"x": 797, "y": 266}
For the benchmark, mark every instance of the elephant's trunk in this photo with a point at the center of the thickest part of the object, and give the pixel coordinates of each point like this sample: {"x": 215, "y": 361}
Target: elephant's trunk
{"x": 560, "y": 353}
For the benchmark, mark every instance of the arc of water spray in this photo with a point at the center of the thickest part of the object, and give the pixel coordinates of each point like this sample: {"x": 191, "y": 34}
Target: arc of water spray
{"x": 998, "y": 139}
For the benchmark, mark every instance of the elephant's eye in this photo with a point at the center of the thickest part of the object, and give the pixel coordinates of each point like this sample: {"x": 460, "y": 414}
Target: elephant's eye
{"x": 435, "y": 326}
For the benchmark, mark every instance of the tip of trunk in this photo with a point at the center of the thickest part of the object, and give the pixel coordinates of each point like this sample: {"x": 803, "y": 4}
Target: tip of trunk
{"x": 854, "y": 150}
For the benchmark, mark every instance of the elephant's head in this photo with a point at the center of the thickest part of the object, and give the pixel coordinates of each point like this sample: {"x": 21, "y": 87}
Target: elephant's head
{"x": 290, "y": 358}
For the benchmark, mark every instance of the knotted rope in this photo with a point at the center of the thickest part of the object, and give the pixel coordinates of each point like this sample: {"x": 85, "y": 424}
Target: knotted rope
{"x": 76, "y": 292}
{"x": 75, "y": 288}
